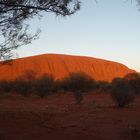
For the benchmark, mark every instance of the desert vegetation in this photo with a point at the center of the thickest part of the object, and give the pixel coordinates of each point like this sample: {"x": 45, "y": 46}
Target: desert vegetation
{"x": 76, "y": 103}
{"x": 43, "y": 86}
{"x": 134, "y": 81}
{"x": 5, "y": 87}
{"x": 122, "y": 90}
{"x": 78, "y": 83}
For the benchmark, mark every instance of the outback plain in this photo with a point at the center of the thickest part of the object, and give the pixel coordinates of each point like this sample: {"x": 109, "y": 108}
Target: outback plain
{"x": 74, "y": 107}
{"x": 58, "y": 117}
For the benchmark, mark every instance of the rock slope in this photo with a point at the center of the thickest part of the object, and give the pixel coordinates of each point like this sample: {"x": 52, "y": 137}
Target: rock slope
{"x": 61, "y": 65}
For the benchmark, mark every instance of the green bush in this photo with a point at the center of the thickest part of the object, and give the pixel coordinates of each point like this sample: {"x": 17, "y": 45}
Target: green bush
{"x": 122, "y": 93}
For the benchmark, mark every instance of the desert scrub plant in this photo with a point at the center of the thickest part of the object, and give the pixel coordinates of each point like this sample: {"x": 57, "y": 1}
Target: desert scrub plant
{"x": 21, "y": 87}
{"x": 134, "y": 81}
{"x": 44, "y": 86}
{"x": 5, "y": 87}
{"x": 132, "y": 76}
{"x": 78, "y": 83}
{"x": 59, "y": 86}
{"x": 135, "y": 85}
{"x": 24, "y": 83}
{"x": 122, "y": 93}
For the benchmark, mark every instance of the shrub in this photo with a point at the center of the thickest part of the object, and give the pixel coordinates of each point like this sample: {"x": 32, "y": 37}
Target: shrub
{"x": 134, "y": 81}
{"x": 22, "y": 87}
{"x": 44, "y": 86}
{"x": 78, "y": 83}
{"x": 135, "y": 85}
{"x": 132, "y": 76}
{"x": 5, "y": 87}
{"x": 122, "y": 93}
{"x": 23, "y": 84}
{"x": 59, "y": 86}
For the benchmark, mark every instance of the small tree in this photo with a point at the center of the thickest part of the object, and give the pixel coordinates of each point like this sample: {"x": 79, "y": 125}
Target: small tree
{"x": 134, "y": 81}
{"x": 122, "y": 93}
{"x": 23, "y": 84}
{"x": 6, "y": 87}
{"x": 14, "y": 14}
{"x": 132, "y": 76}
{"x": 22, "y": 87}
{"x": 44, "y": 86}
{"x": 78, "y": 83}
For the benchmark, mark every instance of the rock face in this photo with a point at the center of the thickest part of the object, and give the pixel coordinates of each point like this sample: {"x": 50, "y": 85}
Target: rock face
{"x": 61, "y": 65}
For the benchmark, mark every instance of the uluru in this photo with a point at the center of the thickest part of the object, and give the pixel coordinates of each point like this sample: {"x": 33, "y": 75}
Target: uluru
{"x": 60, "y": 66}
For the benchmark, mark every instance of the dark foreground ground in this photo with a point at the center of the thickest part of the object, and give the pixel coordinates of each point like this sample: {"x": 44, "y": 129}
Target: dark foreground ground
{"x": 58, "y": 118}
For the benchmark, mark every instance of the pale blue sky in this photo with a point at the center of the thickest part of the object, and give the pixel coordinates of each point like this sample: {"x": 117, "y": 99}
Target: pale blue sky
{"x": 109, "y": 29}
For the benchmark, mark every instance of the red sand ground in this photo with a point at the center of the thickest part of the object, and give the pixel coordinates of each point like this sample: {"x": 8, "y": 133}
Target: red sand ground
{"x": 61, "y": 65}
{"x": 58, "y": 118}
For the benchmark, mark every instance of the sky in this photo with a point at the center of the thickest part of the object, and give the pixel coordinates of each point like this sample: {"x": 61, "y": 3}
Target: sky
{"x": 108, "y": 29}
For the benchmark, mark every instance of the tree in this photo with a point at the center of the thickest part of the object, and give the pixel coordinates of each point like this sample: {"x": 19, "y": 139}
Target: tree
{"x": 14, "y": 13}
{"x": 78, "y": 83}
{"x": 134, "y": 81}
{"x": 132, "y": 76}
{"x": 44, "y": 86}
{"x": 22, "y": 87}
{"x": 122, "y": 93}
